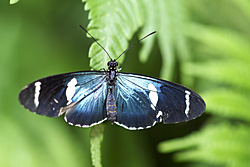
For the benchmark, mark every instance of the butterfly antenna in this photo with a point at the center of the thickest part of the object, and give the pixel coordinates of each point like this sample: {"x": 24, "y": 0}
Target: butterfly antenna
{"x": 96, "y": 41}
{"x": 135, "y": 44}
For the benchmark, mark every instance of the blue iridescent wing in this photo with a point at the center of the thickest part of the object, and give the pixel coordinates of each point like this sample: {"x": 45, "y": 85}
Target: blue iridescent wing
{"x": 143, "y": 101}
{"x": 81, "y": 95}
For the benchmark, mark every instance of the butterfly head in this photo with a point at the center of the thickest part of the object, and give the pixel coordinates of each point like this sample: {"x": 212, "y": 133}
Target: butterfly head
{"x": 112, "y": 65}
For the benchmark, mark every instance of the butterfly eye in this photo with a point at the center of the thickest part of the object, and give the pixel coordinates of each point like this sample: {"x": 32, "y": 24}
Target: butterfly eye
{"x": 108, "y": 63}
{"x": 112, "y": 64}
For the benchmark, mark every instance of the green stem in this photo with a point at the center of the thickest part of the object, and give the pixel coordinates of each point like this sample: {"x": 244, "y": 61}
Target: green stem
{"x": 96, "y": 137}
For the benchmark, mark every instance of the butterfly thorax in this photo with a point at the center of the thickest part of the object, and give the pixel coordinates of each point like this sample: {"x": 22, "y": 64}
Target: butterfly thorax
{"x": 110, "y": 101}
{"x": 112, "y": 72}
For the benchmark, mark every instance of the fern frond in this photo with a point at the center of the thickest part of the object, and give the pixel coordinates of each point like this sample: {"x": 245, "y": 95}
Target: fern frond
{"x": 12, "y": 2}
{"x": 233, "y": 73}
{"x": 223, "y": 144}
{"x": 214, "y": 40}
{"x": 229, "y": 59}
{"x": 171, "y": 29}
{"x": 151, "y": 13}
{"x": 244, "y": 6}
{"x": 223, "y": 64}
{"x": 228, "y": 103}
{"x": 113, "y": 22}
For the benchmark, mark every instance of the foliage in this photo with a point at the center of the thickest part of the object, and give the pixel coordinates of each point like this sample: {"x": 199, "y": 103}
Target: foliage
{"x": 30, "y": 49}
{"x": 225, "y": 68}
{"x": 13, "y": 1}
{"x": 114, "y": 22}
{"x": 218, "y": 144}
{"x": 203, "y": 44}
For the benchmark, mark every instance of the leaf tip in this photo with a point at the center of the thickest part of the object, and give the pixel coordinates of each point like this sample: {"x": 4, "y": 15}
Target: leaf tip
{"x": 12, "y": 2}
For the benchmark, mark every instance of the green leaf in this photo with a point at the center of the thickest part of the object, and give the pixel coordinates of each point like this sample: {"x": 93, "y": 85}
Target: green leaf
{"x": 12, "y": 2}
{"x": 222, "y": 72}
{"x": 168, "y": 18}
{"x": 171, "y": 36}
{"x": 27, "y": 139}
{"x": 221, "y": 144}
{"x": 151, "y": 13}
{"x": 113, "y": 22}
{"x": 222, "y": 68}
{"x": 244, "y": 6}
{"x": 228, "y": 103}
{"x": 217, "y": 39}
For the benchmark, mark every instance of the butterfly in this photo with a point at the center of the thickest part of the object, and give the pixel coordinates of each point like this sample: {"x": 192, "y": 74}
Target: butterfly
{"x": 133, "y": 101}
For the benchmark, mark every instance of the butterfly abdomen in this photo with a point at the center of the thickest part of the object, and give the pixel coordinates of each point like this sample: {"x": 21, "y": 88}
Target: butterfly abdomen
{"x": 111, "y": 104}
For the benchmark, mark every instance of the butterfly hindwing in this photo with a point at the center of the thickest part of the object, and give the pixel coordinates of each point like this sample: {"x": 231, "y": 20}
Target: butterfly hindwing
{"x": 133, "y": 108}
{"x": 142, "y": 101}
{"x": 74, "y": 93}
{"x": 90, "y": 110}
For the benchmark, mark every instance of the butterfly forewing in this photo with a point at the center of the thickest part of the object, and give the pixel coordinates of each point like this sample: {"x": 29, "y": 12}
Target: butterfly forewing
{"x": 142, "y": 101}
{"x": 80, "y": 94}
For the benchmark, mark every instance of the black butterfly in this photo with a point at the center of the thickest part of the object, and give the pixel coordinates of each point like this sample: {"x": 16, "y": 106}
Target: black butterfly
{"x": 133, "y": 101}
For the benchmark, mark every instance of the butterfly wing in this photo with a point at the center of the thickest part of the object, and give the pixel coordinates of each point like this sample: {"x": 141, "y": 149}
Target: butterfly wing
{"x": 142, "y": 101}
{"x": 81, "y": 95}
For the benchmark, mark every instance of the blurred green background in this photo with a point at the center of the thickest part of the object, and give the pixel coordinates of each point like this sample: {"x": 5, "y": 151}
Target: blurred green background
{"x": 204, "y": 45}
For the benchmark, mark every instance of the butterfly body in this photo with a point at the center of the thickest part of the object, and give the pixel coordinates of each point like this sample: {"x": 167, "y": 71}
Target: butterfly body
{"x": 111, "y": 104}
{"x": 111, "y": 80}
